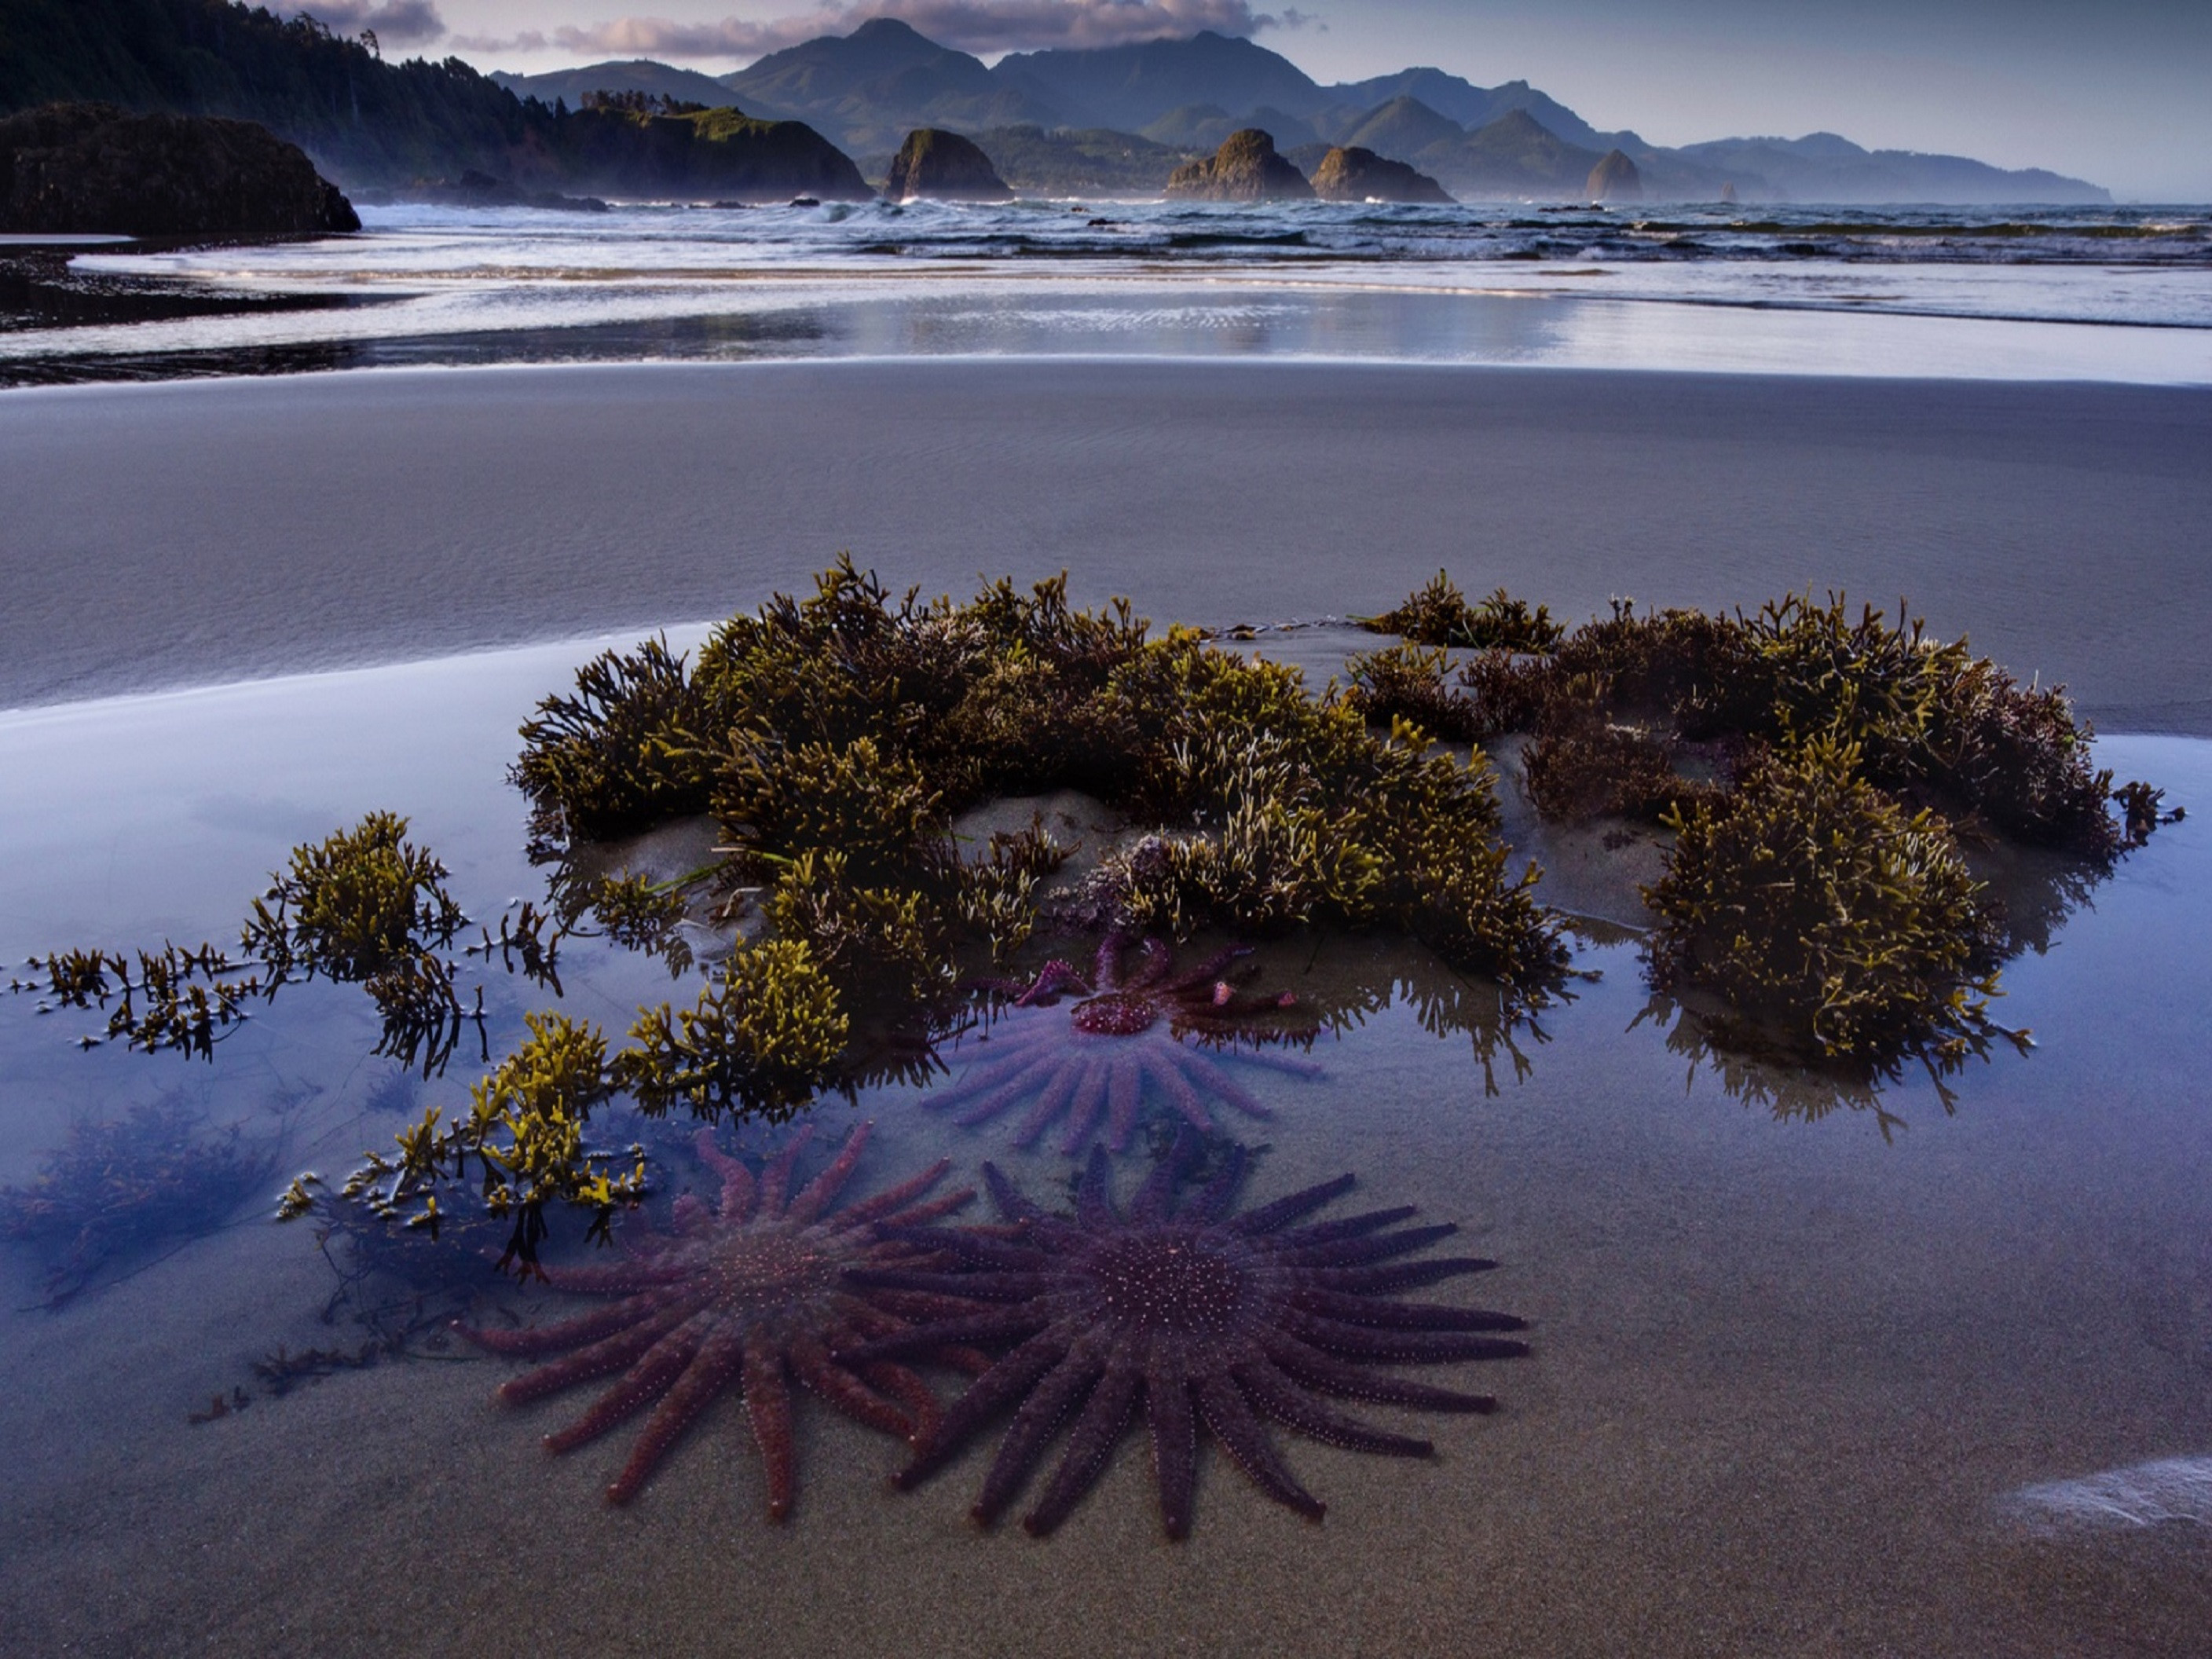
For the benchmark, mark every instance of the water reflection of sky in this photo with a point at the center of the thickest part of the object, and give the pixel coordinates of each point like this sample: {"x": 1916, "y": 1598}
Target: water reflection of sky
{"x": 2119, "y": 296}
{"x": 1214, "y": 318}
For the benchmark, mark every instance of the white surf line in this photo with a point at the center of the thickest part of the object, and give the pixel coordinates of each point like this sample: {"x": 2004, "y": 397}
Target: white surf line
{"x": 2168, "y": 1489}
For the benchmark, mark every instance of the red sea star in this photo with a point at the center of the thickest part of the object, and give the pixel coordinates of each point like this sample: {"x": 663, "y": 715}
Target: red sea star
{"x": 1128, "y": 1030}
{"x": 739, "y": 1297}
{"x": 1204, "y": 1314}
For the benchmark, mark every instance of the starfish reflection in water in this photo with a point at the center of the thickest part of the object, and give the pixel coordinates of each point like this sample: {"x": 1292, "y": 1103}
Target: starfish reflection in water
{"x": 1206, "y": 1315}
{"x": 1128, "y": 1030}
{"x": 743, "y": 1297}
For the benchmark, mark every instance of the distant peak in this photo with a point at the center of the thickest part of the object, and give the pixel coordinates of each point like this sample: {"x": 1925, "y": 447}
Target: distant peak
{"x": 883, "y": 29}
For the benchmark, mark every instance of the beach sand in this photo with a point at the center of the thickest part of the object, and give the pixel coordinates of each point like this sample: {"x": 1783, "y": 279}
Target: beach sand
{"x": 170, "y": 535}
{"x": 1785, "y": 1374}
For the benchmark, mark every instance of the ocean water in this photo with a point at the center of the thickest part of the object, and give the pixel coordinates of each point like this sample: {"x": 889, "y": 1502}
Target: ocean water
{"x": 1811, "y": 1371}
{"x": 2122, "y": 294}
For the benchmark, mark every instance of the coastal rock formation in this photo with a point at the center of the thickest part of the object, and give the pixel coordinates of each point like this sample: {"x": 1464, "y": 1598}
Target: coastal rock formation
{"x": 1615, "y": 180}
{"x": 1354, "y": 174}
{"x": 1244, "y": 169}
{"x": 944, "y": 166}
{"x": 78, "y": 167}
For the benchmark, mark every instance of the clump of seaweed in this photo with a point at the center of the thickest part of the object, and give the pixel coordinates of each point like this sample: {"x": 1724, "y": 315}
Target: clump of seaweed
{"x": 1823, "y": 775}
{"x": 834, "y": 737}
{"x": 116, "y": 1194}
{"x": 1407, "y": 682}
{"x": 1827, "y": 919}
{"x": 1438, "y": 614}
{"x": 617, "y": 755}
{"x": 363, "y": 906}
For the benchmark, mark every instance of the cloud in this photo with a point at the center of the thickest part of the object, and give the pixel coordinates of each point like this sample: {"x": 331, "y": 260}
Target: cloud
{"x": 979, "y": 25}
{"x": 397, "y": 22}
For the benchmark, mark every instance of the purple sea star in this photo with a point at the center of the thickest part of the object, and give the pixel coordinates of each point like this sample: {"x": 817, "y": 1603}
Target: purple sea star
{"x": 1207, "y": 1315}
{"x": 1128, "y": 1029}
{"x": 742, "y": 1296}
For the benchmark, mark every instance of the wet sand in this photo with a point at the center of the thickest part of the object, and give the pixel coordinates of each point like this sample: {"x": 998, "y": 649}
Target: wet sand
{"x": 178, "y": 534}
{"x": 1785, "y": 1375}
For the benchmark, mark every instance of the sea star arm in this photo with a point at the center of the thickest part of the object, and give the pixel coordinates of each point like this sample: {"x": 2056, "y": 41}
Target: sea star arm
{"x": 1350, "y": 1226}
{"x": 1052, "y": 1100}
{"x": 616, "y": 1278}
{"x": 531, "y": 1340}
{"x": 1356, "y": 1252}
{"x": 817, "y": 1193}
{"x": 811, "y": 1364}
{"x": 1318, "y": 1371}
{"x": 602, "y": 1359}
{"x": 971, "y": 1245}
{"x": 1271, "y": 1217}
{"x": 1008, "y": 1197}
{"x": 640, "y": 1386}
{"x": 977, "y": 1287}
{"x": 737, "y": 1190}
{"x": 1125, "y": 1097}
{"x": 1211, "y": 1201}
{"x": 1367, "y": 1342}
{"x": 1004, "y": 1070}
{"x": 1394, "y": 1275}
{"x": 1290, "y": 1065}
{"x": 886, "y": 1204}
{"x": 1206, "y": 1074}
{"x": 701, "y": 1381}
{"x": 1403, "y": 1316}
{"x": 1247, "y": 1443}
{"x": 1173, "y": 1436}
{"x": 1035, "y": 1423}
{"x": 776, "y": 1179}
{"x": 1152, "y": 1201}
{"x": 1014, "y": 1087}
{"x": 767, "y": 1408}
{"x": 1164, "y": 1069}
{"x": 994, "y": 1326}
{"x": 1088, "y": 1105}
{"x": 1090, "y": 1445}
{"x": 989, "y": 1393}
{"x": 1293, "y": 1407}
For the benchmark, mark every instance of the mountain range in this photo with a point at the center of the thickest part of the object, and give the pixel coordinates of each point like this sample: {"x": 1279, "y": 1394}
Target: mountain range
{"x": 866, "y": 90}
{"x": 1111, "y": 121}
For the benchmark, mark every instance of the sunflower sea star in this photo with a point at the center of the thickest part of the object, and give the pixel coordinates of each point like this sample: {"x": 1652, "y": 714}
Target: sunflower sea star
{"x": 1128, "y": 1030}
{"x": 1209, "y": 1316}
{"x": 738, "y": 1298}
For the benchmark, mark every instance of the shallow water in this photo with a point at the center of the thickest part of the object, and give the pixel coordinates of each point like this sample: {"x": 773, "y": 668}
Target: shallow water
{"x": 2122, "y": 294}
{"x": 1792, "y": 1369}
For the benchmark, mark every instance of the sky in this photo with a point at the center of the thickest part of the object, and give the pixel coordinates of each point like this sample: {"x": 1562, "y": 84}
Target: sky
{"x": 2115, "y": 91}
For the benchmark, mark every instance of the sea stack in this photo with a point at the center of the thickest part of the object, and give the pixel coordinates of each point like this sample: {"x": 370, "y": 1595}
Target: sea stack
{"x": 1615, "y": 179}
{"x": 944, "y": 167}
{"x": 1353, "y": 174}
{"x": 1246, "y": 168}
{"x": 90, "y": 167}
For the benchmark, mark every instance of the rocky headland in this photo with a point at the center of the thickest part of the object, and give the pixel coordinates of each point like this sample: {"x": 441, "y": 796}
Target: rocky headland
{"x": 71, "y": 169}
{"x": 944, "y": 167}
{"x": 1246, "y": 168}
{"x": 1352, "y": 174}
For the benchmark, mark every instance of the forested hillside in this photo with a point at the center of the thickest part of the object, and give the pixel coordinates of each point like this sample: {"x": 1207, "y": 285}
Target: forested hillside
{"x": 371, "y": 123}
